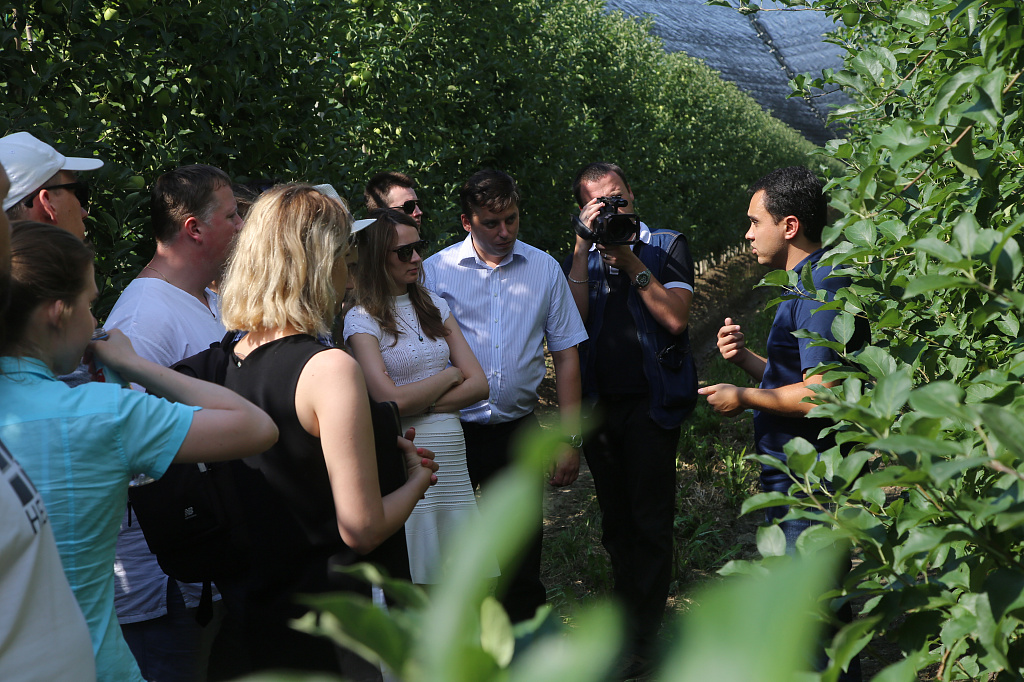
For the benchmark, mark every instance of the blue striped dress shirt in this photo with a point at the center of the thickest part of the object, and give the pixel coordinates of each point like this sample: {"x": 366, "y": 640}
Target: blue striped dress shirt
{"x": 505, "y": 313}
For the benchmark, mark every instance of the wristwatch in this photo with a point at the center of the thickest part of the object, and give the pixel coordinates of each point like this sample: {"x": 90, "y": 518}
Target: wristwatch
{"x": 576, "y": 441}
{"x": 642, "y": 279}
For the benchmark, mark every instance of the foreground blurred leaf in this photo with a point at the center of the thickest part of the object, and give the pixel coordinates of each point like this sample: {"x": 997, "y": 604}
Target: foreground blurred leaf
{"x": 754, "y": 629}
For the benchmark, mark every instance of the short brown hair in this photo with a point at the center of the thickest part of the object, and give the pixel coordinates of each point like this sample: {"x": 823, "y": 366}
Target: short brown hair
{"x": 494, "y": 190}
{"x": 280, "y": 272}
{"x": 183, "y": 192}
{"x": 381, "y": 184}
{"x": 592, "y": 173}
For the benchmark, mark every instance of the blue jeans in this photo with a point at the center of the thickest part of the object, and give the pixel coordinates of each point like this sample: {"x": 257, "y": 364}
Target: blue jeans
{"x": 173, "y": 647}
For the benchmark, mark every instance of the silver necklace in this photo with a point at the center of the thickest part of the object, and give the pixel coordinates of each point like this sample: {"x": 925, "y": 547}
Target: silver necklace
{"x": 416, "y": 329}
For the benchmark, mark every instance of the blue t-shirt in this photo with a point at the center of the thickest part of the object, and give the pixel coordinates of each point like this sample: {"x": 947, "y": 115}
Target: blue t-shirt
{"x": 81, "y": 446}
{"x": 789, "y": 358}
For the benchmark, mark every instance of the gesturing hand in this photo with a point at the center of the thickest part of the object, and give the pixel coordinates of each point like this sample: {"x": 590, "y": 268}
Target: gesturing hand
{"x": 730, "y": 340}
{"x": 724, "y": 398}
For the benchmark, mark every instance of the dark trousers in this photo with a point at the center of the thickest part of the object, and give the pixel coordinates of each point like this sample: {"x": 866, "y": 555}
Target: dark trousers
{"x": 633, "y": 461}
{"x": 487, "y": 453}
{"x": 172, "y": 647}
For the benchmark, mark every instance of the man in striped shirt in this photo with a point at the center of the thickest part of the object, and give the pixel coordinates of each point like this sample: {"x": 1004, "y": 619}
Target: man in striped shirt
{"x": 508, "y": 297}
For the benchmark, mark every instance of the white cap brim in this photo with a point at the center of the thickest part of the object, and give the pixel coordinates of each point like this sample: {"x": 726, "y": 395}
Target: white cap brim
{"x": 358, "y": 225}
{"x": 30, "y": 162}
{"x": 78, "y": 163}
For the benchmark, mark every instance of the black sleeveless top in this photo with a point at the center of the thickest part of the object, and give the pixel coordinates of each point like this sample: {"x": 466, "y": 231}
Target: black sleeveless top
{"x": 301, "y": 517}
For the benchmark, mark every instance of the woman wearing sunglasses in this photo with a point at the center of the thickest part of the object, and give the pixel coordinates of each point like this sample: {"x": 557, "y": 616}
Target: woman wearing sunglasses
{"x": 413, "y": 353}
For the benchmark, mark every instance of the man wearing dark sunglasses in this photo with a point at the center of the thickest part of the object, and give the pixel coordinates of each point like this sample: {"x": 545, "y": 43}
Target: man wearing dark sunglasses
{"x": 44, "y": 183}
{"x": 392, "y": 189}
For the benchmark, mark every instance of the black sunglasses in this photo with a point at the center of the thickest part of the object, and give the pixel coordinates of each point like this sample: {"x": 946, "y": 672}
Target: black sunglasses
{"x": 80, "y": 188}
{"x": 404, "y": 253}
{"x": 408, "y": 207}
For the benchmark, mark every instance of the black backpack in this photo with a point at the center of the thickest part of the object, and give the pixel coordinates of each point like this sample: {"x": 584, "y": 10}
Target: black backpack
{"x": 193, "y": 517}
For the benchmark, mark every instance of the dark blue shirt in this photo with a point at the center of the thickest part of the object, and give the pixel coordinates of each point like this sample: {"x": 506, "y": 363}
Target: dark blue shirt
{"x": 789, "y": 358}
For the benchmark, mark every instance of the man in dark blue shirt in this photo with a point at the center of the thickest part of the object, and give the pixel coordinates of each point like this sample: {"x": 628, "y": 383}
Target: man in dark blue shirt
{"x": 787, "y": 214}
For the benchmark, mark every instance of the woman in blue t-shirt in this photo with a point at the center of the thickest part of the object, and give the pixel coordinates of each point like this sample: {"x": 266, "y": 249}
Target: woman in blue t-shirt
{"x": 81, "y": 446}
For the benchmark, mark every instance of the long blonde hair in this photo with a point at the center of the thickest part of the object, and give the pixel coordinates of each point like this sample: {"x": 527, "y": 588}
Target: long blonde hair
{"x": 280, "y": 273}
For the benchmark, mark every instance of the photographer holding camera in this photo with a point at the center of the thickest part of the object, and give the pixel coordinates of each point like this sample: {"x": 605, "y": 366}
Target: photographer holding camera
{"x": 633, "y": 288}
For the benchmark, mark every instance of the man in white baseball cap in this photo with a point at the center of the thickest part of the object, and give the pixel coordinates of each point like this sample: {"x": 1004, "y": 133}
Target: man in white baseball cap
{"x": 44, "y": 183}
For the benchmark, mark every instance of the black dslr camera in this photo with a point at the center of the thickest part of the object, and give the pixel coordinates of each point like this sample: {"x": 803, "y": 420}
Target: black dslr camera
{"x": 609, "y": 226}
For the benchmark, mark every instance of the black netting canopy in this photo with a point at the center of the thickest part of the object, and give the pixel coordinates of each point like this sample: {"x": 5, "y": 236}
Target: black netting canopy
{"x": 758, "y": 52}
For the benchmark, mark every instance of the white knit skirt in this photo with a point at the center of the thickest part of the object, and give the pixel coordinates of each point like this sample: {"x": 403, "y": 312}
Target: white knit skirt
{"x": 448, "y": 503}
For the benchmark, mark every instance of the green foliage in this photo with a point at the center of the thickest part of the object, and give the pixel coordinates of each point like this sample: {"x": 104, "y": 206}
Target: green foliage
{"x": 932, "y": 226}
{"x": 462, "y": 633}
{"x": 726, "y": 638}
{"x": 336, "y": 91}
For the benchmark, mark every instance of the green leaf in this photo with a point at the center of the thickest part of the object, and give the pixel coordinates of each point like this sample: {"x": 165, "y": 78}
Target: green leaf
{"x": 736, "y": 612}
{"x": 851, "y": 466}
{"x": 891, "y": 393}
{"x": 950, "y": 89}
{"x": 914, "y": 444}
{"x": 895, "y": 230}
{"x": 800, "y": 455}
{"x": 903, "y": 671}
{"x": 763, "y": 500}
{"x": 496, "y": 631}
{"x": 586, "y": 655}
{"x": 817, "y": 538}
{"x": 925, "y": 283}
{"x": 991, "y": 84}
{"x": 876, "y": 361}
{"x": 963, "y": 155}
{"x": 1006, "y": 592}
{"x": 357, "y": 624}
{"x": 861, "y": 233}
{"x": 807, "y": 279}
{"x": 967, "y": 232}
{"x": 401, "y": 591}
{"x": 939, "y": 249}
{"x": 938, "y": 399}
{"x": 914, "y": 16}
{"x": 843, "y": 327}
{"x": 769, "y": 461}
{"x": 1004, "y": 425}
{"x": 902, "y": 142}
{"x": 1009, "y": 325}
{"x": 850, "y": 640}
{"x": 771, "y": 541}
{"x": 941, "y": 472}
{"x": 780, "y": 278}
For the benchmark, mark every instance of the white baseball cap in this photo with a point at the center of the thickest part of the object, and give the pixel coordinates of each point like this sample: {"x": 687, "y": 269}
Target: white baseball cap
{"x": 329, "y": 191}
{"x": 30, "y": 162}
